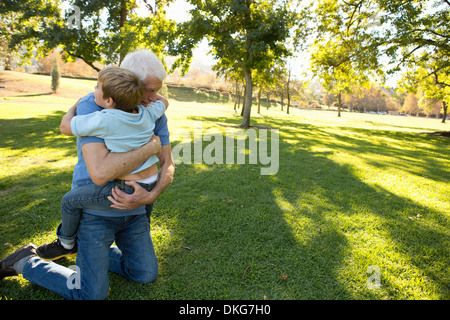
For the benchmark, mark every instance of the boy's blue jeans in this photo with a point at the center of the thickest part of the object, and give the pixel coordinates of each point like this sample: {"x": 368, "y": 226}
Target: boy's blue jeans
{"x": 133, "y": 257}
{"x": 89, "y": 196}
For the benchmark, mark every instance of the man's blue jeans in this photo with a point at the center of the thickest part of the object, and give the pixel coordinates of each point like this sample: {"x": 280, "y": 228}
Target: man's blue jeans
{"x": 133, "y": 257}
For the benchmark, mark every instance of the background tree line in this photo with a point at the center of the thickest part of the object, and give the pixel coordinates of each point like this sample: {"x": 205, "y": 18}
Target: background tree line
{"x": 354, "y": 45}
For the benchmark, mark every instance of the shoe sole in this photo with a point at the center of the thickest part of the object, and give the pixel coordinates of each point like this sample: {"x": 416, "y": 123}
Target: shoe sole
{"x": 58, "y": 257}
{"x": 7, "y": 273}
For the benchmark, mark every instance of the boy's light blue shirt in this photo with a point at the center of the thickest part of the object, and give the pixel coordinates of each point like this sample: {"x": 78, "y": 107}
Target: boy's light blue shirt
{"x": 122, "y": 131}
{"x": 80, "y": 173}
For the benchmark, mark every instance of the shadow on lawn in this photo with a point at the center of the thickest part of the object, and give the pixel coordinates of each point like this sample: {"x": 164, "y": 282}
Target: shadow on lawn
{"x": 234, "y": 234}
{"x": 23, "y": 135}
{"x": 245, "y": 232}
{"x": 38, "y": 132}
{"x": 30, "y": 209}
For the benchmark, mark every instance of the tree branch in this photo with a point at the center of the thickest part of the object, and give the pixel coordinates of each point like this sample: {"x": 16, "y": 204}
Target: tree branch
{"x": 90, "y": 64}
{"x": 431, "y": 31}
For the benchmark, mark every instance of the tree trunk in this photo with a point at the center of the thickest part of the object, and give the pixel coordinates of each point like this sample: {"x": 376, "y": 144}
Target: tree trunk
{"x": 123, "y": 19}
{"x": 259, "y": 100}
{"x": 444, "y": 107}
{"x": 288, "y": 95}
{"x": 8, "y": 63}
{"x": 339, "y": 104}
{"x": 236, "y": 96}
{"x": 248, "y": 99}
{"x": 243, "y": 101}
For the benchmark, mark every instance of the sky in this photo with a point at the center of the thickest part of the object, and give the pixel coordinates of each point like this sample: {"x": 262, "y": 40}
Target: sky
{"x": 178, "y": 10}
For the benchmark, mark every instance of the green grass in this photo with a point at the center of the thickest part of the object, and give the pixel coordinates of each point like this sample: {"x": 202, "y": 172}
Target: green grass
{"x": 351, "y": 192}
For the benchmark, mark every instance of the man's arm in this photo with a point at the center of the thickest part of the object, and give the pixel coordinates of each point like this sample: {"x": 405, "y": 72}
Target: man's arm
{"x": 140, "y": 197}
{"x": 104, "y": 166}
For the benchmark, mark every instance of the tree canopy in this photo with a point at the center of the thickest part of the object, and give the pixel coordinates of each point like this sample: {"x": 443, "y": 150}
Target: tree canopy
{"x": 245, "y": 36}
{"x": 354, "y": 42}
{"x": 106, "y": 30}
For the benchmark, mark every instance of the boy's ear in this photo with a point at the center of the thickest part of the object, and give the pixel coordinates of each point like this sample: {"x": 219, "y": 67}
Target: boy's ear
{"x": 110, "y": 102}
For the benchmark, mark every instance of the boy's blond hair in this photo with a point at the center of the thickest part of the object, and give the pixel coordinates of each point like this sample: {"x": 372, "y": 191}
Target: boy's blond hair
{"x": 123, "y": 86}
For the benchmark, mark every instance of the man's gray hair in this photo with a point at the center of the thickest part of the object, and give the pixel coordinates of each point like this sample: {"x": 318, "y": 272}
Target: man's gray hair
{"x": 144, "y": 63}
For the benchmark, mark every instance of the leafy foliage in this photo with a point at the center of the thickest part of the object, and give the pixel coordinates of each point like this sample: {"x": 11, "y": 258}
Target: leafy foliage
{"x": 245, "y": 36}
{"x": 56, "y": 75}
{"x": 107, "y": 31}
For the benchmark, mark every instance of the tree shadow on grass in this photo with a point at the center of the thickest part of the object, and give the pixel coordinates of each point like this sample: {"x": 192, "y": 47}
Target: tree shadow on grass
{"x": 31, "y": 197}
{"x": 310, "y": 232}
{"x": 417, "y": 154}
{"x": 30, "y": 212}
{"x": 38, "y": 132}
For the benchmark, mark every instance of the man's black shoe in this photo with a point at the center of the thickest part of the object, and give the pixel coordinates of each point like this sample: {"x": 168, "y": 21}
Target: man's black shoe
{"x": 55, "y": 250}
{"x": 6, "y": 265}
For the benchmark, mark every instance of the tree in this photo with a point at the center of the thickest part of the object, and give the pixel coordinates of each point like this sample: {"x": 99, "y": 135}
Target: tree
{"x": 334, "y": 64}
{"x": 107, "y": 31}
{"x": 343, "y": 54}
{"x": 418, "y": 30}
{"x": 430, "y": 82}
{"x": 269, "y": 79}
{"x": 421, "y": 36}
{"x": 244, "y": 35}
{"x": 56, "y": 76}
{"x": 429, "y": 105}
{"x": 5, "y": 38}
{"x": 373, "y": 98}
{"x": 294, "y": 89}
{"x": 19, "y": 17}
{"x": 411, "y": 105}
{"x": 415, "y": 34}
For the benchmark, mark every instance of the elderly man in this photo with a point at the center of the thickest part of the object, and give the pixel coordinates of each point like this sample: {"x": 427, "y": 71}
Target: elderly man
{"x": 125, "y": 222}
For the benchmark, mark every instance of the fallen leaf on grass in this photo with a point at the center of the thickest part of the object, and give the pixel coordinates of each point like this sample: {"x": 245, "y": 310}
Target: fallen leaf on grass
{"x": 243, "y": 276}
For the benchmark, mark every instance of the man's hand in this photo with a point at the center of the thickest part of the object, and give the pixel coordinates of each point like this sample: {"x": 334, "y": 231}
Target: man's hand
{"x": 124, "y": 201}
{"x": 140, "y": 197}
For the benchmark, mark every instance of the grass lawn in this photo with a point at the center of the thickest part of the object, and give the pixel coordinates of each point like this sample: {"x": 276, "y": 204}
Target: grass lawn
{"x": 352, "y": 194}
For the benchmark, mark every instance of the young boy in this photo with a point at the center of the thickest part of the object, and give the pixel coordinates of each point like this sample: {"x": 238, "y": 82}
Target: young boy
{"x": 124, "y": 125}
